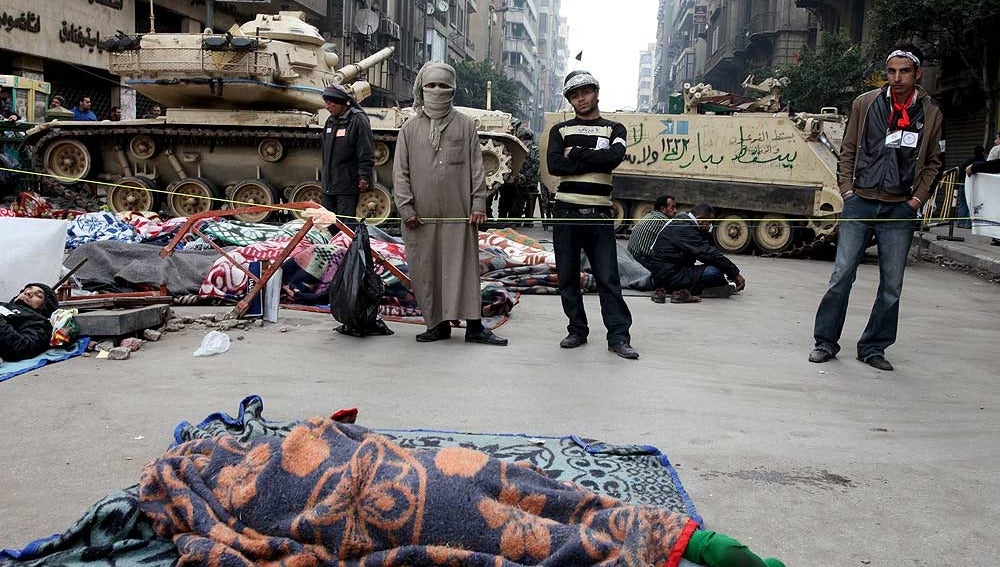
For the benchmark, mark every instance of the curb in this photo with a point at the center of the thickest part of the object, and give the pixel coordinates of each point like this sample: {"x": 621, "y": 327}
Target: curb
{"x": 961, "y": 252}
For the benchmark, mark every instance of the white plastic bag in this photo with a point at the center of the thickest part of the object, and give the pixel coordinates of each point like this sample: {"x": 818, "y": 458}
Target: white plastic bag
{"x": 215, "y": 342}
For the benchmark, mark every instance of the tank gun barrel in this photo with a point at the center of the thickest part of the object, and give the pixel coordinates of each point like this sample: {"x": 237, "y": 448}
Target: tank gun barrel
{"x": 351, "y": 72}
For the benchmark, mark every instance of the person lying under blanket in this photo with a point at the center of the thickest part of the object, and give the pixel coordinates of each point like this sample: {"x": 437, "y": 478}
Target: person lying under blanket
{"x": 334, "y": 493}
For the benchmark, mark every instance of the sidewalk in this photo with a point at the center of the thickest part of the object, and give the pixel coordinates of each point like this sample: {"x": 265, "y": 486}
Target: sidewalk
{"x": 974, "y": 251}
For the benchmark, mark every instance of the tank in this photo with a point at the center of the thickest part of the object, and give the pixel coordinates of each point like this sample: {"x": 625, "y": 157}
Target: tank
{"x": 244, "y": 123}
{"x": 771, "y": 176}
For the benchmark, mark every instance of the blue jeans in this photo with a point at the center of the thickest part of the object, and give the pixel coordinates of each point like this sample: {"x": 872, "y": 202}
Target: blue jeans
{"x": 594, "y": 235}
{"x": 710, "y": 277}
{"x": 893, "y": 233}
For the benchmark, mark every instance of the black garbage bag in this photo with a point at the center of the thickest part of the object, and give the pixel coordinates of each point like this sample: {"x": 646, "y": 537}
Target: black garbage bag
{"x": 356, "y": 290}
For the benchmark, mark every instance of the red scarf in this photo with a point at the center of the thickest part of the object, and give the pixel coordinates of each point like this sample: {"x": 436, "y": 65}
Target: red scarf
{"x": 903, "y": 120}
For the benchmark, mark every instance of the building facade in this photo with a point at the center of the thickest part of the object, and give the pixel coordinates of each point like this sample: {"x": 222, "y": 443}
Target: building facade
{"x": 552, "y": 56}
{"x": 644, "y": 90}
{"x": 520, "y": 60}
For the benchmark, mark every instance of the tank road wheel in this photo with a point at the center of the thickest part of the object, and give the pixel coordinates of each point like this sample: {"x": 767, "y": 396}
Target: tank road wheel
{"x": 618, "y": 214}
{"x": 190, "y": 196}
{"x": 142, "y": 147}
{"x": 773, "y": 234}
{"x": 641, "y": 209}
{"x": 382, "y": 153}
{"x": 305, "y": 191}
{"x": 376, "y": 203}
{"x": 732, "y": 233}
{"x": 132, "y": 194}
{"x": 271, "y": 150}
{"x": 252, "y": 192}
{"x": 496, "y": 164}
{"x": 69, "y": 160}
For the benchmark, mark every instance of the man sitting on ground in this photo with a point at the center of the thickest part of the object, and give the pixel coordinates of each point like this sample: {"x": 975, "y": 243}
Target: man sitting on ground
{"x": 683, "y": 241}
{"x": 640, "y": 242}
{"x": 25, "y": 330}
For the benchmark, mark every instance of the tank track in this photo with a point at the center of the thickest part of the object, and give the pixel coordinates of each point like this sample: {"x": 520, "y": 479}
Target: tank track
{"x": 807, "y": 249}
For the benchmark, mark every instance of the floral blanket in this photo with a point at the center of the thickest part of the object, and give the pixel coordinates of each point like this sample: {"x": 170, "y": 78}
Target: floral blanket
{"x": 334, "y": 493}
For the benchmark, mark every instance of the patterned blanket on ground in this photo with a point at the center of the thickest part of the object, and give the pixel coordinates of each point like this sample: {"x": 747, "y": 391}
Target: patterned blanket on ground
{"x": 115, "y": 532}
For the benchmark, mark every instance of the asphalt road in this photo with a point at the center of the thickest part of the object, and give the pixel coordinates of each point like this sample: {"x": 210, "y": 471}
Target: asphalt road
{"x": 821, "y": 465}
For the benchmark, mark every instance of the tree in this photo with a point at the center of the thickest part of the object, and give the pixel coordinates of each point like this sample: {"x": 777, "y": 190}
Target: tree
{"x": 472, "y": 77}
{"x": 960, "y": 36}
{"x": 832, "y": 74}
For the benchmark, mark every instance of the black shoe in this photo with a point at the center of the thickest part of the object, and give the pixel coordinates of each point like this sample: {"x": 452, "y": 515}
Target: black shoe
{"x": 439, "y": 333}
{"x": 624, "y": 350}
{"x": 572, "y": 341}
{"x": 820, "y": 355}
{"x": 659, "y": 296}
{"x": 485, "y": 337}
{"x": 718, "y": 292}
{"x": 877, "y": 361}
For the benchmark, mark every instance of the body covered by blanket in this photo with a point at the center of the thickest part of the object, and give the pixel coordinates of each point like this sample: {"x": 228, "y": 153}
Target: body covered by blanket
{"x": 332, "y": 491}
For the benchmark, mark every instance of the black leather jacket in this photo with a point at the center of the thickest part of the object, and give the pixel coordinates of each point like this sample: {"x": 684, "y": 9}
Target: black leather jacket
{"x": 24, "y": 332}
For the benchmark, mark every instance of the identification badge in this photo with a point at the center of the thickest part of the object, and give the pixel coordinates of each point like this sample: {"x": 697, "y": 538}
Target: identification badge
{"x": 5, "y": 312}
{"x": 329, "y": 130}
{"x": 910, "y": 139}
{"x": 894, "y": 139}
{"x": 603, "y": 144}
{"x": 341, "y": 132}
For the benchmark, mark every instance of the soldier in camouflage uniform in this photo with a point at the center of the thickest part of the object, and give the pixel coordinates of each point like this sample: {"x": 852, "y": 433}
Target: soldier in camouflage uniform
{"x": 515, "y": 197}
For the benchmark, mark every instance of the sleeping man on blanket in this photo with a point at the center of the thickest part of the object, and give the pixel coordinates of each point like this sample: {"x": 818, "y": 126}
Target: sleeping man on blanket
{"x": 334, "y": 493}
{"x": 25, "y": 330}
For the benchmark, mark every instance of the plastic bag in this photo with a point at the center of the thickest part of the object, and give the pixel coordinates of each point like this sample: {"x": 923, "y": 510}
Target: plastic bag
{"x": 64, "y": 327}
{"x": 357, "y": 290}
{"x": 215, "y": 342}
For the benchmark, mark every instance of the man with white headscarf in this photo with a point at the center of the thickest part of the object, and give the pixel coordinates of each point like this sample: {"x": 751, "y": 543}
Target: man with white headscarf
{"x": 440, "y": 193}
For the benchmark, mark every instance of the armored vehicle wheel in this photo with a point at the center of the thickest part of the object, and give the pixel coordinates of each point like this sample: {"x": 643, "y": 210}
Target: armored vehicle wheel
{"x": 618, "y": 214}
{"x": 773, "y": 234}
{"x": 305, "y": 191}
{"x": 142, "y": 147}
{"x": 271, "y": 150}
{"x": 189, "y": 196}
{"x": 69, "y": 160}
{"x": 640, "y": 209}
{"x": 732, "y": 234}
{"x": 252, "y": 192}
{"x": 133, "y": 194}
{"x": 496, "y": 164}
{"x": 376, "y": 203}
{"x": 382, "y": 153}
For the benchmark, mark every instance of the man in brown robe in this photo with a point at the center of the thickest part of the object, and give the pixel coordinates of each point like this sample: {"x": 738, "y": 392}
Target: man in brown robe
{"x": 440, "y": 193}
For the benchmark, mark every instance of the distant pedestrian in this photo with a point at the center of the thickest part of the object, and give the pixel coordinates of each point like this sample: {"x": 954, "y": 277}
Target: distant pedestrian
{"x": 348, "y": 158}
{"x": 978, "y": 156}
{"x": 889, "y": 159}
{"x": 583, "y": 151}
{"x": 438, "y": 175}
{"x": 82, "y": 110}
{"x": 154, "y": 112}
{"x": 116, "y": 114}
{"x": 995, "y": 150}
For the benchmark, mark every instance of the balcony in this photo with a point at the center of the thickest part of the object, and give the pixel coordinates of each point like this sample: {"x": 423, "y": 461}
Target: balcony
{"x": 522, "y": 75}
{"x": 515, "y": 16}
{"x": 762, "y": 23}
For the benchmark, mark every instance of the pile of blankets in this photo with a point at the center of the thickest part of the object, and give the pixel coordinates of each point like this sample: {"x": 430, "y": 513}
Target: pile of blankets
{"x": 123, "y": 255}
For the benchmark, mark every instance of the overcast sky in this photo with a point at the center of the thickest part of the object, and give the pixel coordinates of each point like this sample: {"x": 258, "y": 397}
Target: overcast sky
{"x": 611, "y": 33}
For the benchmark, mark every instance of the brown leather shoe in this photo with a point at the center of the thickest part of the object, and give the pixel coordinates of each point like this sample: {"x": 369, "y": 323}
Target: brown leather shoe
{"x": 683, "y": 296}
{"x": 659, "y": 296}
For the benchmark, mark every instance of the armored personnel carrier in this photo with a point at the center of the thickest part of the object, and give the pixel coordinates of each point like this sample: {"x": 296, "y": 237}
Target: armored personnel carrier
{"x": 771, "y": 176}
{"x": 244, "y": 123}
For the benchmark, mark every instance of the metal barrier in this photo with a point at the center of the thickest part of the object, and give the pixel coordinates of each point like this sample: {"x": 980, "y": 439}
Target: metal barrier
{"x": 948, "y": 188}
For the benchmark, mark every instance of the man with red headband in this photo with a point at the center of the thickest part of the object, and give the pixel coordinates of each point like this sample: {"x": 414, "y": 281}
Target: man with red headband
{"x": 889, "y": 158}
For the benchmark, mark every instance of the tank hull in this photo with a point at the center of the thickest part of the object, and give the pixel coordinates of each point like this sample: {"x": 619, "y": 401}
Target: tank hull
{"x": 221, "y": 158}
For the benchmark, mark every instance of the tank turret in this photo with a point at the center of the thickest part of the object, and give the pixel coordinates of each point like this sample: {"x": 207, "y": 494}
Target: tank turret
{"x": 275, "y": 62}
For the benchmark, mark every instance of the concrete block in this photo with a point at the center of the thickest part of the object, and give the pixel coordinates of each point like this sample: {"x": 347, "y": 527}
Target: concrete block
{"x": 117, "y": 322}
